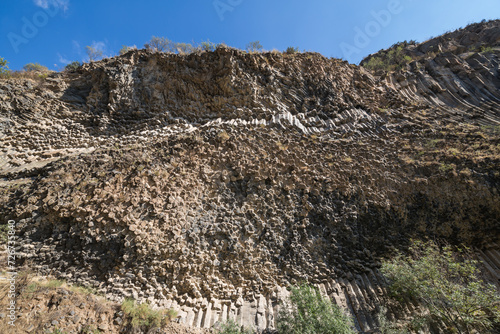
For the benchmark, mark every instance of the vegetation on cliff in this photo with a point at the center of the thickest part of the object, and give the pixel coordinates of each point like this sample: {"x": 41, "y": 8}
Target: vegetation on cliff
{"x": 447, "y": 282}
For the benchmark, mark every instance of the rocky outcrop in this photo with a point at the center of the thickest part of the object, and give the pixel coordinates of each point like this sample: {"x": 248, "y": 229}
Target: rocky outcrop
{"x": 457, "y": 71}
{"x": 211, "y": 182}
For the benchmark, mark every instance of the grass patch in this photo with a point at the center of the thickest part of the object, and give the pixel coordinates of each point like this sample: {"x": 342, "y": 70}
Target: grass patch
{"x": 232, "y": 327}
{"x": 432, "y": 143}
{"x": 90, "y": 329}
{"x": 57, "y": 331}
{"x": 445, "y": 168}
{"x": 486, "y": 49}
{"x": 83, "y": 290}
{"x": 30, "y": 290}
{"x": 4, "y": 228}
{"x": 33, "y": 75}
{"x": 491, "y": 129}
{"x": 53, "y": 284}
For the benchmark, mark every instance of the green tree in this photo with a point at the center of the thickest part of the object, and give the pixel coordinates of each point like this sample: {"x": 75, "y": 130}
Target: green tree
{"x": 292, "y": 50}
{"x": 73, "y": 66}
{"x": 310, "y": 313}
{"x": 254, "y": 46}
{"x": 160, "y": 44}
{"x": 32, "y": 67}
{"x": 93, "y": 53}
{"x": 447, "y": 281}
{"x": 3, "y": 66}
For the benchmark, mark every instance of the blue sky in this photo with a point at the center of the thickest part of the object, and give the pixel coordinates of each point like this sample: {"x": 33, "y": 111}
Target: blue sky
{"x": 54, "y": 32}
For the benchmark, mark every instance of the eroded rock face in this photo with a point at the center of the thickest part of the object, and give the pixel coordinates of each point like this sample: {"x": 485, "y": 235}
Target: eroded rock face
{"x": 459, "y": 70}
{"x": 211, "y": 182}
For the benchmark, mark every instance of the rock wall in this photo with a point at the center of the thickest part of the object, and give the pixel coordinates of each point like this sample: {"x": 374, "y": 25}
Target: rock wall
{"x": 211, "y": 182}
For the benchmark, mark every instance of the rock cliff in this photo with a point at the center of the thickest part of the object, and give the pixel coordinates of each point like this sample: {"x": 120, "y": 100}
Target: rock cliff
{"x": 210, "y": 182}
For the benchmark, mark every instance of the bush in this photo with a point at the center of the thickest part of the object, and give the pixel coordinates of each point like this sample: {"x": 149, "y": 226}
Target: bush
{"x": 311, "y": 313}
{"x": 3, "y": 66}
{"x": 386, "y": 326}
{"x": 163, "y": 44}
{"x": 73, "y": 66}
{"x": 143, "y": 315}
{"x": 447, "y": 281}
{"x": 486, "y": 49}
{"x": 35, "y": 67}
{"x": 221, "y": 46}
{"x": 93, "y": 53}
{"x": 254, "y": 46}
{"x": 208, "y": 46}
{"x": 231, "y": 327}
{"x": 184, "y": 48}
{"x": 291, "y": 50}
{"x": 126, "y": 49}
{"x": 160, "y": 44}
{"x": 391, "y": 60}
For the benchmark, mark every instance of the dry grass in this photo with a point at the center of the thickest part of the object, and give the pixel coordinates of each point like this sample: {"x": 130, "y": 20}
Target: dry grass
{"x": 47, "y": 306}
{"x": 33, "y": 75}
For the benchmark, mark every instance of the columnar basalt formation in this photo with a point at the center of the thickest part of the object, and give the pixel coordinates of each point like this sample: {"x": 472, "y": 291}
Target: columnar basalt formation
{"x": 211, "y": 182}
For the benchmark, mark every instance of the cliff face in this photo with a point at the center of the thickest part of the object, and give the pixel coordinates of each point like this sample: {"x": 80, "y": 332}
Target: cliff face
{"x": 212, "y": 181}
{"x": 458, "y": 70}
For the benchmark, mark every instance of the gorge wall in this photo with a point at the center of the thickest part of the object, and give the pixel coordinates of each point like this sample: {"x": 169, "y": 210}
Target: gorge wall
{"x": 210, "y": 182}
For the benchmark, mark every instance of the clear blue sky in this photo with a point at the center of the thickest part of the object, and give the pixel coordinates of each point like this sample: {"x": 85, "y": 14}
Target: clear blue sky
{"x": 53, "y": 32}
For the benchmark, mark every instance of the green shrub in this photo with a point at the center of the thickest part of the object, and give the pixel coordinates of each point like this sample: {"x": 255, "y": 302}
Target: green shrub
{"x": 390, "y": 60}
{"x": 142, "y": 315}
{"x": 486, "y": 49}
{"x": 208, "y": 46}
{"x": 232, "y": 327}
{"x": 4, "y": 69}
{"x": 376, "y": 64}
{"x": 311, "y": 313}
{"x": 447, "y": 281}
{"x": 73, "y": 66}
{"x": 388, "y": 327}
{"x": 4, "y": 228}
{"x": 254, "y": 46}
{"x": 291, "y": 50}
{"x": 35, "y": 67}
